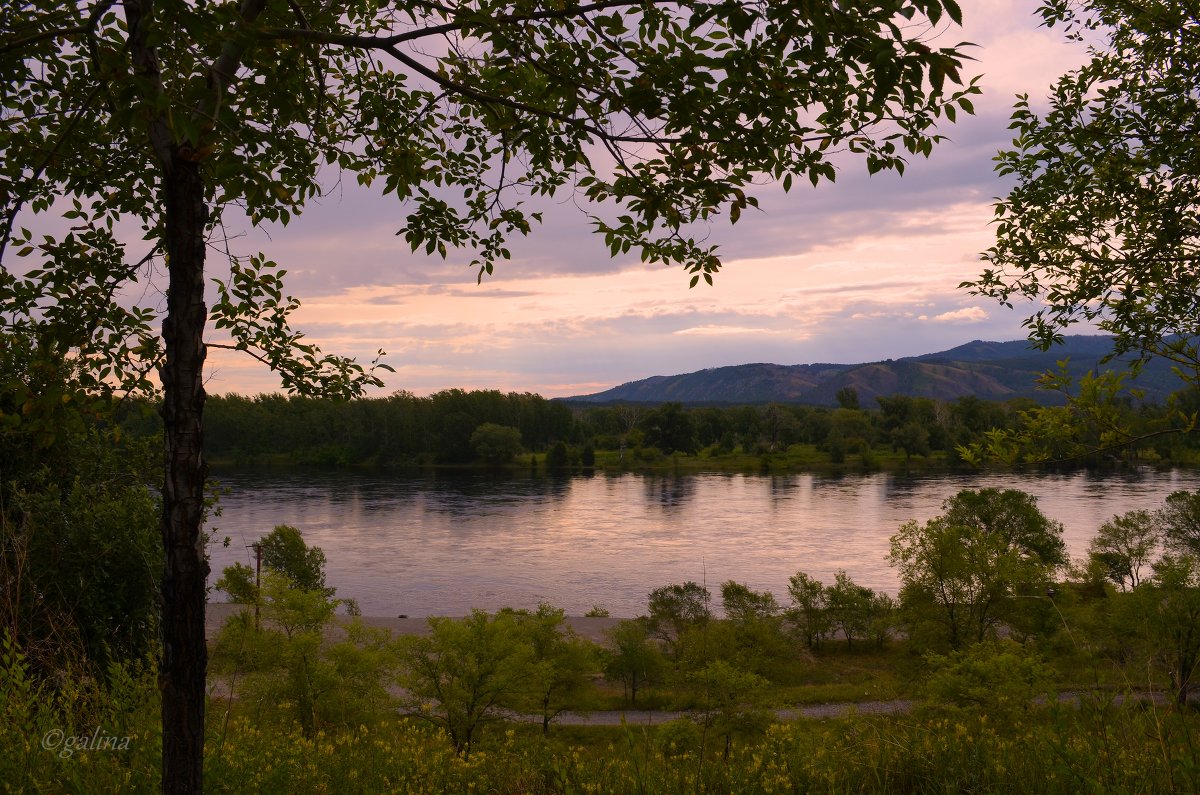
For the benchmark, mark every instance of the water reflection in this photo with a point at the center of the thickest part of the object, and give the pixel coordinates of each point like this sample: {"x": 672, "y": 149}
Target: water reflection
{"x": 669, "y": 492}
{"x": 444, "y": 543}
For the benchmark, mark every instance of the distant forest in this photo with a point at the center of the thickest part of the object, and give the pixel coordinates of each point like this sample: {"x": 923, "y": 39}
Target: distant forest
{"x": 457, "y": 427}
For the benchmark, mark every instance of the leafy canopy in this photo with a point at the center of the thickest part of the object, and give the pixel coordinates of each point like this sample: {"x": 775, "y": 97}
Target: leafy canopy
{"x": 963, "y": 572}
{"x": 660, "y": 115}
{"x": 1103, "y": 225}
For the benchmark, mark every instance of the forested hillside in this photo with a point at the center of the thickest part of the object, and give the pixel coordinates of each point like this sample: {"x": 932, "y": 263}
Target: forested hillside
{"x": 988, "y": 370}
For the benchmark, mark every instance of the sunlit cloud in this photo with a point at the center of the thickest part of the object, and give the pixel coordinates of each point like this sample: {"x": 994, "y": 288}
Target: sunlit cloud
{"x": 970, "y": 314}
{"x": 721, "y": 331}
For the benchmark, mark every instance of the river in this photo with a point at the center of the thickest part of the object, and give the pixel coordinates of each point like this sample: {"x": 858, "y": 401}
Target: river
{"x": 446, "y": 543}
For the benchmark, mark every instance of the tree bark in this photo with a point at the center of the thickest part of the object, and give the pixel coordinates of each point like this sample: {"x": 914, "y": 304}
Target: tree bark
{"x": 185, "y": 656}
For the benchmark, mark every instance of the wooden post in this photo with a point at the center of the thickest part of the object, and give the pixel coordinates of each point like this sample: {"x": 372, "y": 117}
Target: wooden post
{"x": 257, "y": 581}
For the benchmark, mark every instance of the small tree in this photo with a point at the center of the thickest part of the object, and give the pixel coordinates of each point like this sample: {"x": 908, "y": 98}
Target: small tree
{"x": 1001, "y": 678}
{"x": 756, "y": 621}
{"x": 1124, "y": 545}
{"x": 237, "y": 581}
{"x": 673, "y": 609}
{"x": 808, "y": 613}
{"x": 289, "y": 665}
{"x": 559, "y": 663}
{"x": 587, "y": 456}
{"x": 743, "y": 605}
{"x": 882, "y": 618}
{"x": 1166, "y": 611}
{"x": 731, "y": 701}
{"x": 849, "y": 607}
{"x": 1180, "y": 517}
{"x": 556, "y": 457}
{"x": 911, "y": 437}
{"x": 634, "y": 660}
{"x": 285, "y": 554}
{"x": 961, "y": 570}
{"x": 284, "y": 551}
{"x": 461, "y": 675}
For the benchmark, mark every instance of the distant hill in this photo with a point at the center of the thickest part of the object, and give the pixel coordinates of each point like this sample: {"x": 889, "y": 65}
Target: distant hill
{"x": 990, "y": 370}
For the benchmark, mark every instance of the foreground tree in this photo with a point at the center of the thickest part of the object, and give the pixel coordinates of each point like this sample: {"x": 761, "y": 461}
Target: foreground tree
{"x": 964, "y": 571}
{"x": 1166, "y": 611}
{"x": 559, "y": 664}
{"x": 464, "y": 671}
{"x": 1103, "y": 224}
{"x": 174, "y": 117}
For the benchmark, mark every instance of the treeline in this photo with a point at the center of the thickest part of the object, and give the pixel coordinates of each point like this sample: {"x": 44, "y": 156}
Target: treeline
{"x": 488, "y": 426}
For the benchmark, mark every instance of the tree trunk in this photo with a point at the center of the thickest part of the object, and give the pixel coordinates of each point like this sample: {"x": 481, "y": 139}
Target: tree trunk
{"x": 185, "y": 657}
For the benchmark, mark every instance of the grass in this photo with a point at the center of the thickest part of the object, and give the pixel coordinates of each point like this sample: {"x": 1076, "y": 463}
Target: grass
{"x": 1050, "y": 748}
{"x": 841, "y": 676}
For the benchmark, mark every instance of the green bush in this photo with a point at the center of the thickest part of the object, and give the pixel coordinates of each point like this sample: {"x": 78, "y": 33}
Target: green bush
{"x": 678, "y": 737}
{"x": 995, "y": 678}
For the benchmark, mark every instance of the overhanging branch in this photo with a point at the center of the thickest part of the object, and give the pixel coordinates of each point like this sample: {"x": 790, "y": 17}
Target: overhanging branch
{"x": 383, "y": 42}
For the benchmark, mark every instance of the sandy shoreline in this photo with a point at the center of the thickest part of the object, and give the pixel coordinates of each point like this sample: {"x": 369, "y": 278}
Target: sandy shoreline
{"x": 591, "y": 628}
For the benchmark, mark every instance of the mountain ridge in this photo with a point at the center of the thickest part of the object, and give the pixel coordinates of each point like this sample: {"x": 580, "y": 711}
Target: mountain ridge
{"x": 984, "y": 369}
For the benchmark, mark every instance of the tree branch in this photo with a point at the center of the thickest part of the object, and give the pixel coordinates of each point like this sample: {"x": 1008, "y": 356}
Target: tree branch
{"x": 10, "y": 216}
{"x": 138, "y": 14}
{"x": 383, "y": 42}
{"x": 63, "y": 33}
{"x": 222, "y": 73}
{"x": 488, "y": 99}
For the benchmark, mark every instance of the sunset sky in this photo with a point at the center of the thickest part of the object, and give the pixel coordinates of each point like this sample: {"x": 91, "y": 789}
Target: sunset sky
{"x": 860, "y": 270}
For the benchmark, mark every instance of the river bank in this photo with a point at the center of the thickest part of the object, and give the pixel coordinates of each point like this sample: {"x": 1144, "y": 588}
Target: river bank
{"x": 593, "y": 628}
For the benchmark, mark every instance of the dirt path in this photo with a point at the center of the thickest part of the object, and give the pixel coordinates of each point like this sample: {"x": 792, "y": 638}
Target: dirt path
{"x": 637, "y": 717}
{"x": 898, "y": 706}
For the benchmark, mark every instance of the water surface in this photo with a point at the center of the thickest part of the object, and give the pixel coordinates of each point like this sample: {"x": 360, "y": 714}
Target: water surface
{"x": 443, "y": 544}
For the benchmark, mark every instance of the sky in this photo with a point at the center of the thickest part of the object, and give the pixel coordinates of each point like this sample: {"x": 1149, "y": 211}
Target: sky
{"x": 860, "y": 270}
